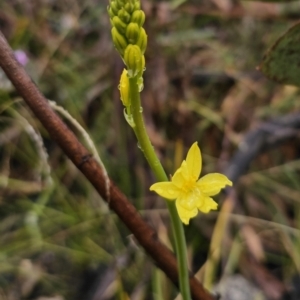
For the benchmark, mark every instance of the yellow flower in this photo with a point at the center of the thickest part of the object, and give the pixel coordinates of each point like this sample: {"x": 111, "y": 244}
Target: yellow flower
{"x": 190, "y": 193}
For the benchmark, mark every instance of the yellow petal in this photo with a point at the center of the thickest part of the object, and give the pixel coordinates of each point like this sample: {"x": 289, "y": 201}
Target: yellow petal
{"x": 165, "y": 189}
{"x": 178, "y": 179}
{"x": 207, "y": 205}
{"x": 184, "y": 214}
{"x": 194, "y": 161}
{"x": 185, "y": 171}
{"x": 190, "y": 200}
{"x": 211, "y": 184}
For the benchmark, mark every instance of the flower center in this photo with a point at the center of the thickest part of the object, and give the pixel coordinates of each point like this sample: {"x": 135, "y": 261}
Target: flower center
{"x": 190, "y": 199}
{"x": 188, "y": 186}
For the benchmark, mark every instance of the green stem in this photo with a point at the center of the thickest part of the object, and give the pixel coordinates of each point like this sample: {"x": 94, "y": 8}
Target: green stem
{"x": 157, "y": 284}
{"x": 148, "y": 150}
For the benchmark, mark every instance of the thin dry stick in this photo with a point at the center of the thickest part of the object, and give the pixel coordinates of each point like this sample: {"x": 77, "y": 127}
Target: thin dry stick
{"x": 84, "y": 161}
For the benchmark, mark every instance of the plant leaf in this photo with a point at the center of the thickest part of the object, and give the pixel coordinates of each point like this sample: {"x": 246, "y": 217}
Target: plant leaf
{"x": 282, "y": 61}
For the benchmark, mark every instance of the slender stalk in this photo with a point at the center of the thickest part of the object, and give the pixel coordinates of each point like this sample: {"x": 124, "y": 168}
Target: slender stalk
{"x": 148, "y": 150}
{"x": 157, "y": 283}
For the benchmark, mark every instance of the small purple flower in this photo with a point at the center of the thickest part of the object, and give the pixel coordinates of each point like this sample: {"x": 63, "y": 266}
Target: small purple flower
{"x": 21, "y": 57}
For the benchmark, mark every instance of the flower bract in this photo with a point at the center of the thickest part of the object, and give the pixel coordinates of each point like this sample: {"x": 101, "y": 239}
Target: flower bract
{"x": 192, "y": 194}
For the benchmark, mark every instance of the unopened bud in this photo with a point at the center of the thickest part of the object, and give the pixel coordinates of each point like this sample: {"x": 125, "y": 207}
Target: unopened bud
{"x": 119, "y": 24}
{"x": 144, "y": 63}
{"x": 132, "y": 32}
{"x": 119, "y": 41}
{"x": 114, "y": 8}
{"x": 110, "y": 12}
{"x": 142, "y": 40}
{"x": 137, "y": 5}
{"x": 140, "y": 74}
{"x": 120, "y": 3}
{"x": 129, "y": 7}
{"x": 124, "y": 88}
{"x": 138, "y": 16}
{"x": 133, "y": 59}
{"x": 124, "y": 15}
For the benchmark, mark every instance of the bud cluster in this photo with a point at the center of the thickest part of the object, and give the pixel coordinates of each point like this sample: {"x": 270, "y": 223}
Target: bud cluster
{"x": 129, "y": 37}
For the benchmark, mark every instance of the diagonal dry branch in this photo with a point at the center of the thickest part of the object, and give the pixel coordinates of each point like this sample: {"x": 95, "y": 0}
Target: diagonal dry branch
{"x": 80, "y": 156}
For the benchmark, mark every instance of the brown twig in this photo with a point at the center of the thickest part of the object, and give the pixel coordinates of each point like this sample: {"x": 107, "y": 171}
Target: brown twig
{"x": 65, "y": 138}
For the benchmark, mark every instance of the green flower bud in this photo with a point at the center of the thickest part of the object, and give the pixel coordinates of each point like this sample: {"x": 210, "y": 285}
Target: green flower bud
{"x": 119, "y": 41}
{"x": 110, "y": 12}
{"x": 144, "y": 63}
{"x": 129, "y": 7}
{"x": 137, "y": 5}
{"x": 111, "y": 23}
{"x": 114, "y": 8}
{"x": 138, "y": 16}
{"x": 132, "y": 32}
{"x": 142, "y": 40}
{"x": 119, "y": 24}
{"x": 140, "y": 74}
{"x": 133, "y": 59}
{"x": 124, "y": 15}
{"x": 124, "y": 88}
{"x": 120, "y": 3}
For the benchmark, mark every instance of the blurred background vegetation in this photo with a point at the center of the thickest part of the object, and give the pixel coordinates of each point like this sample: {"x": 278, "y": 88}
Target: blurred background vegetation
{"x": 58, "y": 240}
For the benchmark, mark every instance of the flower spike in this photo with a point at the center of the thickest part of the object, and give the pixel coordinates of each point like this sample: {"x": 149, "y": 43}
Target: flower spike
{"x": 127, "y": 20}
